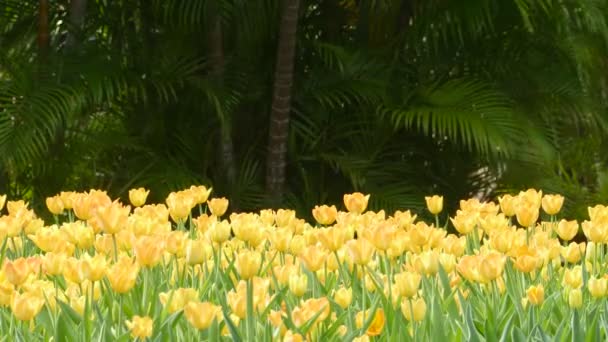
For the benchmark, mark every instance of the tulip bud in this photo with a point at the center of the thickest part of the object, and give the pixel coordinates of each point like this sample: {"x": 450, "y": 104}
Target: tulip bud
{"x": 598, "y": 288}
{"x": 201, "y": 315}
{"x": 575, "y": 299}
{"x": 413, "y": 309}
{"x": 343, "y": 297}
{"x": 552, "y": 204}
{"x": 298, "y": 284}
{"x": 434, "y": 204}
{"x": 138, "y": 196}
{"x": 218, "y": 206}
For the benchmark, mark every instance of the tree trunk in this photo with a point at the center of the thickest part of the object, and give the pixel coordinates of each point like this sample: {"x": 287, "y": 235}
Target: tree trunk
{"x": 77, "y": 14}
{"x": 281, "y": 103}
{"x": 217, "y": 60}
{"x": 43, "y": 37}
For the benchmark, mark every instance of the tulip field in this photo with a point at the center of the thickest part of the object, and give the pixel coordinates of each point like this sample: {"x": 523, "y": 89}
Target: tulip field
{"x": 184, "y": 270}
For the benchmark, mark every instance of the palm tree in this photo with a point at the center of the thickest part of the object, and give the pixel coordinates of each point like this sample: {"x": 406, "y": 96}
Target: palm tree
{"x": 281, "y": 102}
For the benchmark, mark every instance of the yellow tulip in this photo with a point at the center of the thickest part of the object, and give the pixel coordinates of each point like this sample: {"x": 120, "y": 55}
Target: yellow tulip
{"x": 94, "y": 268}
{"x": 536, "y": 294}
{"x": 575, "y": 299}
{"x": 55, "y": 205}
{"x": 138, "y": 197}
{"x": 199, "y": 193}
{"x": 238, "y": 303}
{"x": 180, "y": 205}
{"x": 149, "y": 250}
{"x": 284, "y": 217}
{"x": 281, "y": 238}
{"x": 290, "y": 336}
{"x": 7, "y": 290}
{"x": 413, "y": 309}
{"x": 219, "y": 232}
{"x": 313, "y": 257}
{"x": 325, "y": 215}
{"x": 526, "y": 263}
{"x": 17, "y": 271}
{"x": 464, "y": 222}
{"x": 567, "y": 230}
{"x": 596, "y": 231}
{"x": 218, "y": 206}
{"x": 113, "y": 217}
{"x": 343, "y": 297}
{"x": 360, "y": 251}
{"x": 507, "y": 205}
{"x": 598, "y": 288}
{"x": 573, "y": 252}
{"x": 434, "y": 204}
{"x": 427, "y": 262}
{"x": 552, "y": 204}
{"x": 140, "y": 327}
{"x": 248, "y": 264}
{"x": 123, "y": 274}
{"x": 197, "y": 251}
{"x": 26, "y": 306}
{"x": 175, "y": 300}
{"x": 376, "y": 326}
{"x": 332, "y": 238}
{"x": 298, "y": 284}
{"x": 356, "y": 202}
{"x": 201, "y": 315}
{"x": 408, "y": 283}
{"x": 491, "y": 266}
{"x": 526, "y": 214}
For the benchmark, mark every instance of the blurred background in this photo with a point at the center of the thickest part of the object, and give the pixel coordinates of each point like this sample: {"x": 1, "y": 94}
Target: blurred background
{"x": 293, "y": 103}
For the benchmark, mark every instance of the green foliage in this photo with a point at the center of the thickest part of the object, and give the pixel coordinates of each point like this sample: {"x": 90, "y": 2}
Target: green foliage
{"x": 395, "y": 98}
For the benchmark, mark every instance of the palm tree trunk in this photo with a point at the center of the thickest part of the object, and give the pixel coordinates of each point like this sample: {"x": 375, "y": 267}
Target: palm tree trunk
{"x": 43, "y": 37}
{"x": 77, "y": 14}
{"x": 281, "y": 103}
{"x": 217, "y": 61}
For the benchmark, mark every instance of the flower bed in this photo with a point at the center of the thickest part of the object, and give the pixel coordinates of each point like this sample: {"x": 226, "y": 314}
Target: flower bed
{"x": 181, "y": 271}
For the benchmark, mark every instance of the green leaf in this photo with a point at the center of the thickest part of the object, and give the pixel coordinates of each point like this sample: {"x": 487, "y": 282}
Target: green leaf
{"x": 578, "y": 332}
{"x": 234, "y": 331}
{"x": 473, "y": 334}
{"x": 517, "y": 335}
{"x": 65, "y": 330}
{"x": 506, "y": 330}
{"x": 69, "y": 312}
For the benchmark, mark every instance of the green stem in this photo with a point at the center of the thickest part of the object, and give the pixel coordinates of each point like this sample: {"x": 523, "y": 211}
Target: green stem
{"x": 250, "y": 322}
{"x": 412, "y": 320}
{"x": 115, "y": 247}
{"x": 119, "y": 325}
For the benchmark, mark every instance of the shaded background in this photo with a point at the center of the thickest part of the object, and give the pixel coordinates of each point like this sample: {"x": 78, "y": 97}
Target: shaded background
{"x": 397, "y": 98}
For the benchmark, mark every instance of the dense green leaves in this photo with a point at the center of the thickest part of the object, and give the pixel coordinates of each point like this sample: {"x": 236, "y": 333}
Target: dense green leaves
{"x": 398, "y": 98}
